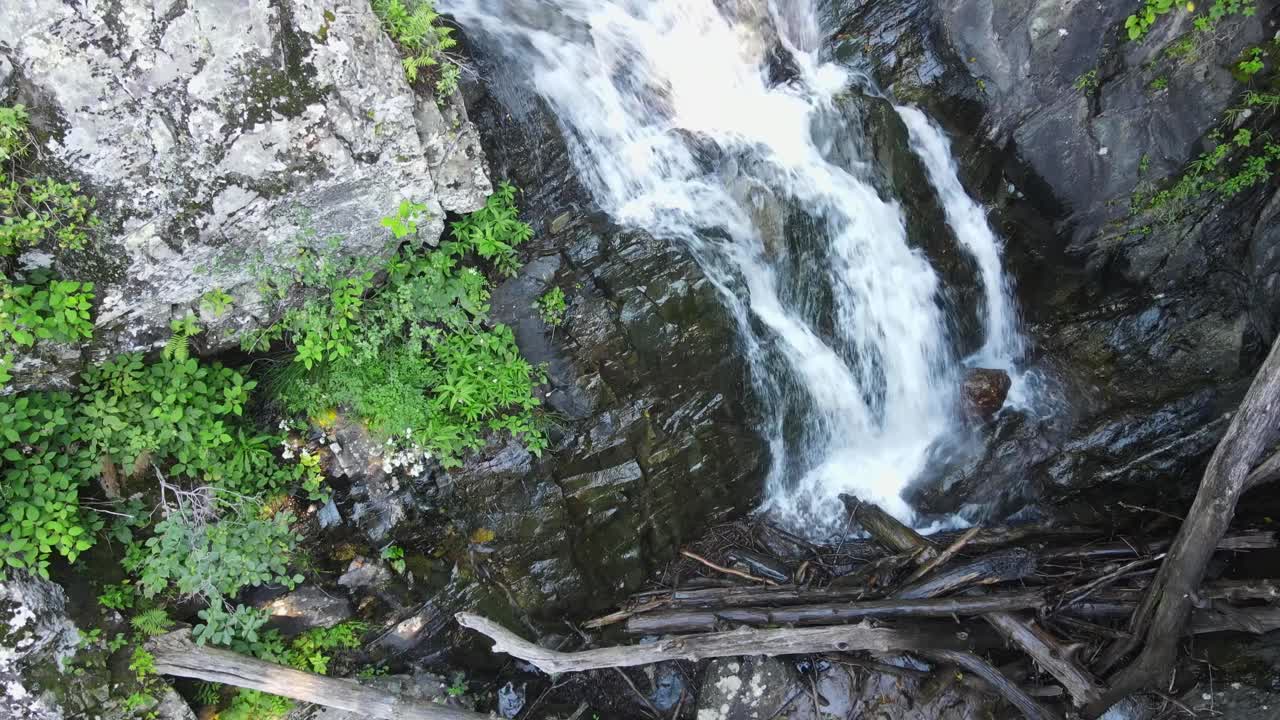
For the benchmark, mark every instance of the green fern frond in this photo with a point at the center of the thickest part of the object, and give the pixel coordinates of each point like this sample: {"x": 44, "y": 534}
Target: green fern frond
{"x": 178, "y": 348}
{"x": 152, "y": 622}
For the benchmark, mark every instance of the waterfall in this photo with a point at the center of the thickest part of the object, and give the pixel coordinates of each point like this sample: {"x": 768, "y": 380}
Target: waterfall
{"x": 677, "y": 124}
{"x": 1003, "y": 342}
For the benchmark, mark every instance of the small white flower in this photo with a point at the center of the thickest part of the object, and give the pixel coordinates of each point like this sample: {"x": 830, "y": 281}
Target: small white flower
{"x": 288, "y": 452}
{"x": 1063, "y": 32}
{"x": 1206, "y": 696}
{"x": 1103, "y": 151}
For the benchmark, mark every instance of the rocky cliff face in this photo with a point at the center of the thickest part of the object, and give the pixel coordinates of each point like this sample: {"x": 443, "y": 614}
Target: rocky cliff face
{"x": 652, "y": 436}
{"x": 1146, "y": 331}
{"x": 220, "y": 138}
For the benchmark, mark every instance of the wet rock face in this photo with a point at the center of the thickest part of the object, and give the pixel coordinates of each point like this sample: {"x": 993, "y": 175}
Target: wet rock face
{"x": 1149, "y": 333}
{"x": 219, "y": 137}
{"x": 985, "y": 390}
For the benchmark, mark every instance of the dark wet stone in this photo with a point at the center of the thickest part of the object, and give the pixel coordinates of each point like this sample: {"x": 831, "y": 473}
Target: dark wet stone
{"x": 307, "y": 608}
{"x": 669, "y": 686}
{"x": 511, "y": 699}
{"x": 985, "y": 390}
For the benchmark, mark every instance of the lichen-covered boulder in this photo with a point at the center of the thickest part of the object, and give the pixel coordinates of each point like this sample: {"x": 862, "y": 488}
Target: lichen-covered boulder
{"x": 38, "y": 644}
{"x": 220, "y": 137}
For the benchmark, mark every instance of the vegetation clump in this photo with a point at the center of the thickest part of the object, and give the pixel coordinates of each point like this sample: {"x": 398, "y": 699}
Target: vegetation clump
{"x": 423, "y": 39}
{"x": 416, "y": 358}
{"x": 36, "y": 210}
{"x": 551, "y": 307}
{"x": 1139, "y": 24}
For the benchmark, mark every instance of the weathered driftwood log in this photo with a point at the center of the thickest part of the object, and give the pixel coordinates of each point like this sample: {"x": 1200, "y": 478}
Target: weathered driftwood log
{"x": 886, "y": 529}
{"x": 175, "y": 654}
{"x": 945, "y": 556}
{"x": 1159, "y": 620}
{"x": 760, "y": 565}
{"x": 999, "y": 566}
{"x": 1035, "y": 642}
{"x": 1247, "y": 540}
{"x": 800, "y": 641}
{"x": 1005, "y": 687}
{"x": 1241, "y": 590}
{"x": 685, "y": 621}
{"x": 1049, "y": 654}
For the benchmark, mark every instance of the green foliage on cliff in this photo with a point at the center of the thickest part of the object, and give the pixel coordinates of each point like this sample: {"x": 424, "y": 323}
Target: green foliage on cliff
{"x": 417, "y": 358}
{"x": 54, "y": 311}
{"x": 36, "y": 210}
{"x": 1139, "y": 24}
{"x": 177, "y": 425}
{"x": 423, "y": 40}
{"x": 551, "y": 307}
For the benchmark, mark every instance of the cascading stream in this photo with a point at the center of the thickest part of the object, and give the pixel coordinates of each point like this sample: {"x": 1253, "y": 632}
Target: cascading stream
{"x": 677, "y": 126}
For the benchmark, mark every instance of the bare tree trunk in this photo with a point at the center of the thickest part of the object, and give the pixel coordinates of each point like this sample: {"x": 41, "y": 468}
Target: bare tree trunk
{"x": 686, "y": 621}
{"x": 1165, "y": 610}
{"x": 177, "y": 655}
{"x": 799, "y": 641}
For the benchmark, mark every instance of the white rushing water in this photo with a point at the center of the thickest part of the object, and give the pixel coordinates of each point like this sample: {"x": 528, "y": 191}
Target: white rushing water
{"x": 675, "y": 127}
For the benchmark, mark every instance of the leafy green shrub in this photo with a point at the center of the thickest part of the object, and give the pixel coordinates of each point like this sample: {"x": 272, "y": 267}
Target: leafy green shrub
{"x": 177, "y": 422}
{"x": 33, "y": 210}
{"x": 1252, "y": 64}
{"x": 551, "y": 307}
{"x": 142, "y": 663}
{"x": 57, "y": 311}
{"x": 40, "y": 513}
{"x": 120, "y": 596}
{"x": 415, "y": 26}
{"x": 14, "y": 139}
{"x": 216, "y": 302}
{"x": 394, "y": 554}
{"x": 214, "y": 559}
{"x": 495, "y": 230}
{"x": 1224, "y": 8}
{"x": 1139, "y": 24}
{"x": 415, "y": 358}
{"x": 1087, "y": 83}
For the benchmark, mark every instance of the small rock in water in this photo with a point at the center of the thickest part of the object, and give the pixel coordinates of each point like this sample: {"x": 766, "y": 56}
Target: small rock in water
{"x": 511, "y": 699}
{"x": 669, "y": 686}
{"x": 985, "y": 391}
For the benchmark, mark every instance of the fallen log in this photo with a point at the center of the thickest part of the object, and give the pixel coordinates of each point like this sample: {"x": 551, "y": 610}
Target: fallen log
{"x": 760, "y": 565}
{"x": 1049, "y": 654}
{"x": 1046, "y": 652}
{"x": 886, "y": 529}
{"x": 1005, "y": 687}
{"x": 175, "y": 654}
{"x": 1248, "y": 540}
{"x": 999, "y": 566}
{"x": 745, "y": 641}
{"x": 1164, "y": 612}
{"x": 687, "y": 621}
{"x": 945, "y": 556}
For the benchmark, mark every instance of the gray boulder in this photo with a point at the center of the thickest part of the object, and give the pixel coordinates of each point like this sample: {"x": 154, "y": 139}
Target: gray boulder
{"x": 220, "y": 138}
{"x": 39, "y": 643}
